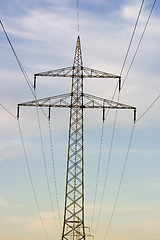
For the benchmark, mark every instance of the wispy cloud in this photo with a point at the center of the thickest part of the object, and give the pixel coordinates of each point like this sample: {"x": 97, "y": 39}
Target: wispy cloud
{"x": 44, "y": 35}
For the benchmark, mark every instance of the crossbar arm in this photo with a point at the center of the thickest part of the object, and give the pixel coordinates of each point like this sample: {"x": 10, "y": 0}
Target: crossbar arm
{"x": 68, "y": 72}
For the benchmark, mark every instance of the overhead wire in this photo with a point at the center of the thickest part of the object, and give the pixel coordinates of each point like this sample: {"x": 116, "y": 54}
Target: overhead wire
{"x": 132, "y": 36}
{"x": 99, "y": 162}
{"x": 97, "y": 175}
{"x": 31, "y": 181}
{"x": 130, "y": 141}
{"x": 29, "y": 83}
{"x": 6, "y": 109}
{"x": 121, "y": 73}
{"x": 102, "y": 131}
{"x": 46, "y": 171}
{"x": 142, "y": 115}
{"x": 119, "y": 188}
{"x": 139, "y": 43}
{"x": 29, "y": 173}
{"x": 107, "y": 170}
{"x": 120, "y": 183}
{"x": 54, "y": 171}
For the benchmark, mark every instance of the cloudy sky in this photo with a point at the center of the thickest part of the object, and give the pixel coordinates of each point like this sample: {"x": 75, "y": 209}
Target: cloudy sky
{"x": 43, "y": 34}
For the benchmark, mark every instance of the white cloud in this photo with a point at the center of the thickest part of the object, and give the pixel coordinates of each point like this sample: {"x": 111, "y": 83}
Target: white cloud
{"x": 38, "y": 25}
{"x": 130, "y": 10}
{"x": 46, "y": 40}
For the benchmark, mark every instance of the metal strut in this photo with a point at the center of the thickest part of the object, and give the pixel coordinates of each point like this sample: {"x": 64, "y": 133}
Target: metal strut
{"x": 77, "y": 101}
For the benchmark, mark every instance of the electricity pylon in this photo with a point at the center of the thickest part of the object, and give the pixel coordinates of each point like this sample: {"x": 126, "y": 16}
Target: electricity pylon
{"x": 76, "y": 100}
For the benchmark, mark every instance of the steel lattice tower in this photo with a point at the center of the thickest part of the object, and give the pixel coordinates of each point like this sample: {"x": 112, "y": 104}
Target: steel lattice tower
{"x": 74, "y": 198}
{"x": 77, "y": 101}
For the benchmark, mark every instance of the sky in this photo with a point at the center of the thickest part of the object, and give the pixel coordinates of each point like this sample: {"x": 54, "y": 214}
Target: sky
{"x": 44, "y": 34}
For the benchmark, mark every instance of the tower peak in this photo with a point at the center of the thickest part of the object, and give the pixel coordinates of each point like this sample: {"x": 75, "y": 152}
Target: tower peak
{"x": 78, "y": 53}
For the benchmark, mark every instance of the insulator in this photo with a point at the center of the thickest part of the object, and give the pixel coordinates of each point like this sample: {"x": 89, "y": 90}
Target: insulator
{"x": 49, "y": 113}
{"x": 135, "y": 115}
{"x": 18, "y": 112}
{"x": 34, "y": 82}
{"x": 103, "y": 113}
{"x": 119, "y": 84}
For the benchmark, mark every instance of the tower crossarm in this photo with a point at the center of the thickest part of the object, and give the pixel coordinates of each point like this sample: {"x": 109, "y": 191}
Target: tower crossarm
{"x": 92, "y": 73}
{"x": 89, "y": 101}
{"x": 69, "y": 72}
{"x": 64, "y": 101}
{"x": 61, "y": 72}
{"x": 48, "y": 101}
{"x": 98, "y": 102}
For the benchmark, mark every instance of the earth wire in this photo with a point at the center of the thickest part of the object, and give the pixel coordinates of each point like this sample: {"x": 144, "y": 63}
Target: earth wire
{"x": 78, "y": 16}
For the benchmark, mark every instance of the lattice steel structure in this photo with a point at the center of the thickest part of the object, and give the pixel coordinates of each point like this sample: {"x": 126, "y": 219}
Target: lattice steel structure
{"x": 77, "y": 100}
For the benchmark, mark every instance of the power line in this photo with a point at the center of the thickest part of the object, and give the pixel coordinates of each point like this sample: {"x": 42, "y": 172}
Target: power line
{"x": 138, "y": 118}
{"x": 123, "y": 84}
{"x": 107, "y": 168}
{"x": 30, "y": 85}
{"x": 148, "y": 108}
{"x": 99, "y": 160}
{"x": 130, "y": 43}
{"x": 8, "y": 111}
{"x": 129, "y": 46}
{"x": 31, "y": 181}
{"x": 125, "y": 163}
{"x": 120, "y": 184}
{"x": 139, "y": 42}
{"x": 133, "y": 33}
{"x": 54, "y": 171}
{"x": 97, "y": 176}
{"x": 45, "y": 167}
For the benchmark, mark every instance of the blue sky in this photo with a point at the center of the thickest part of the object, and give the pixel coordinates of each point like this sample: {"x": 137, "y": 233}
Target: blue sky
{"x": 44, "y": 35}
